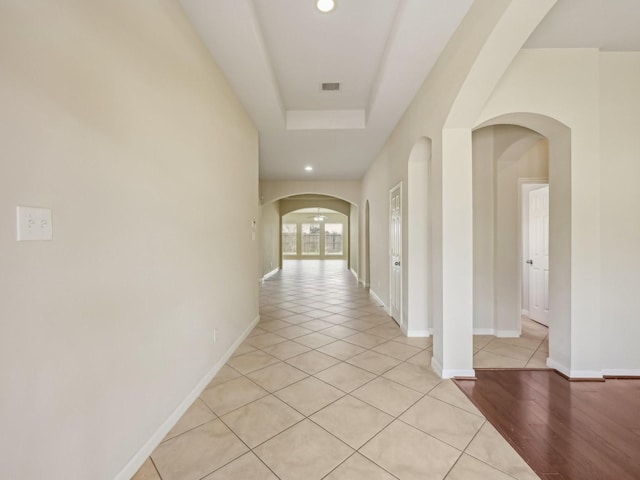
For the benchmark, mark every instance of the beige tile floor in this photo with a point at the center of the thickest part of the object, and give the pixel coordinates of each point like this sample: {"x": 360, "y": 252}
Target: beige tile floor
{"x": 530, "y": 350}
{"x": 327, "y": 387}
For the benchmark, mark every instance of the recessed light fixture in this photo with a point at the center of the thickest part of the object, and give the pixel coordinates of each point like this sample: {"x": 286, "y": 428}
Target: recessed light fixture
{"x": 325, "y": 6}
{"x": 309, "y": 168}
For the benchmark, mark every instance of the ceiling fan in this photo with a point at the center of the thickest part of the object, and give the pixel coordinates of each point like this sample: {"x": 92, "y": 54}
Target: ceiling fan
{"x": 317, "y": 217}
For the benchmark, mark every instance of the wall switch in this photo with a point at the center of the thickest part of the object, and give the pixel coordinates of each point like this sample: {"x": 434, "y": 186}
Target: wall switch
{"x": 34, "y": 224}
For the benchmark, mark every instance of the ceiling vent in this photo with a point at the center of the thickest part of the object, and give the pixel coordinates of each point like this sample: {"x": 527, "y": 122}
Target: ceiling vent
{"x": 331, "y": 87}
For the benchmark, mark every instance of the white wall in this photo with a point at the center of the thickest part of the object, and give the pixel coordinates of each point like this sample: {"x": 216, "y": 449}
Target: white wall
{"x": 620, "y": 214}
{"x": 270, "y": 237}
{"x": 114, "y": 115}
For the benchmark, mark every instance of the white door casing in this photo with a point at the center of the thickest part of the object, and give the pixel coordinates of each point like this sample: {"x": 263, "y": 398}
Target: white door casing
{"x": 395, "y": 253}
{"x": 539, "y": 255}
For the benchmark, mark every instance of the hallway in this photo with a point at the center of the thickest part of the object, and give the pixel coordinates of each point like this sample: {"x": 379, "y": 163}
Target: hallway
{"x": 327, "y": 386}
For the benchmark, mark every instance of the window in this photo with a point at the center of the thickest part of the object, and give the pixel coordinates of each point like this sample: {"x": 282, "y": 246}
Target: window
{"x": 289, "y": 237}
{"x": 333, "y": 239}
{"x": 310, "y": 239}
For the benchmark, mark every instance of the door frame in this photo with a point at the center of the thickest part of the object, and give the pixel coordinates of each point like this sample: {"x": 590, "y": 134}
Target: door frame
{"x": 521, "y": 260}
{"x": 400, "y": 320}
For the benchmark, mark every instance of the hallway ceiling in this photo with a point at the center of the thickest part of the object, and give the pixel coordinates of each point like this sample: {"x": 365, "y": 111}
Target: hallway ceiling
{"x": 277, "y": 53}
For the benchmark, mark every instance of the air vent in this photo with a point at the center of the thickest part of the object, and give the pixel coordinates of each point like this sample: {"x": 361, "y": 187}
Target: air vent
{"x": 331, "y": 87}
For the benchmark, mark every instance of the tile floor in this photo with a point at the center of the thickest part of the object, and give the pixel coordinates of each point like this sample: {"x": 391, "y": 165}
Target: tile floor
{"x": 327, "y": 387}
{"x": 530, "y": 350}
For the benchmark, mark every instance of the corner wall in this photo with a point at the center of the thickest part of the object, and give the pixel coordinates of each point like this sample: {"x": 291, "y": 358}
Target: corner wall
{"x": 620, "y": 216}
{"x": 115, "y": 116}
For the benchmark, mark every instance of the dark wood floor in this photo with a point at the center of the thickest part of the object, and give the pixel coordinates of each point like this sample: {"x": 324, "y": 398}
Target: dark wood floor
{"x": 564, "y": 430}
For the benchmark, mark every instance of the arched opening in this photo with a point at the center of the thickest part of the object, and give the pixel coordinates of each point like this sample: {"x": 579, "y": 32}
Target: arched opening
{"x": 509, "y": 152}
{"x": 306, "y": 227}
{"x": 418, "y": 258}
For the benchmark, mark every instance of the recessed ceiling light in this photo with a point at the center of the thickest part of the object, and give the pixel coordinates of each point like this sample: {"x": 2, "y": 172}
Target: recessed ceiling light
{"x": 325, "y": 6}
{"x": 309, "y": 168}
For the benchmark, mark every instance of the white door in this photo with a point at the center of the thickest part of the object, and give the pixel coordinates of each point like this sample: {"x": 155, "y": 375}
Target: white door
{"x": 539, "y": 255}
{"x": 395, "y": 253}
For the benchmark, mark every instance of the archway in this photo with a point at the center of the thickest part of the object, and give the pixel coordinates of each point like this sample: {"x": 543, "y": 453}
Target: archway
{"x": 558, "y": 136}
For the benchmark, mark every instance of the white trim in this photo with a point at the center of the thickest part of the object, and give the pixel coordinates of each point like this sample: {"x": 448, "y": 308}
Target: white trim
{"x": 484, "y": 331}
{"x": 551, "y": 363}
{"x": 573, "y": 374}
{"x": 497, "y": 333}
{"x": 458, "y": 373}
{"x": 620, "y": 372}
{"x": 403, "y": 328}
{"x": 525, "y": 312}
{"x": 436, "y": 366}
{"x": 450, "y": 373}
{"x": 270, "y": 274}
{"x": 149, "y": 446}
{"x": 377, "y": 299}
{"x": 507, "y": 333}
{"x": 355, "y": 274}
{"x": 418, "y": 333}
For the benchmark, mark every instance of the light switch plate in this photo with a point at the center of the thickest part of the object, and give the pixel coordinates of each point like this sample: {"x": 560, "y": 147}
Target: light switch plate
{"x": 34, "y": 224}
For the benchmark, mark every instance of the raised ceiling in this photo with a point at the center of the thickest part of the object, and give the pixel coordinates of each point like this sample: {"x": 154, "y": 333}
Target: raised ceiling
{"x": 277, "y": 53}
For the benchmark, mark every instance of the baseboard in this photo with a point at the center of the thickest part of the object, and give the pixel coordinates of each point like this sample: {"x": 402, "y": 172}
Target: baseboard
{"x": 497, "y": 333}
{"x": 141, "y": 456}
{"x": 418, "y": 333}
{"x": 270, "y": 274}
{"x": 484, "y": 331}
{"x": 450, "y": 373}
{"x": 507, "y": 333}
{"x": 575, "y": 375}
{"x": 525, "y": 312}
{"x": 355, "y": 274}
{"x": 620, "y": 373}
{"x": 377, "y": 299}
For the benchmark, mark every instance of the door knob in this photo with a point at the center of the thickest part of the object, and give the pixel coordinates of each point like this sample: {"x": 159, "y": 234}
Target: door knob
{"x": 397, "y": 264}
{"x": 530, "y": 262}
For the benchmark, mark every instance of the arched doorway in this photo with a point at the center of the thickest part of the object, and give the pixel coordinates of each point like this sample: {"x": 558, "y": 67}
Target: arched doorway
{"x": 519, "y": 133}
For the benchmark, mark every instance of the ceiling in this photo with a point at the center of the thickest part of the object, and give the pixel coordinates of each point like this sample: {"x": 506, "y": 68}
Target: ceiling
{"x": 277, "y": 53}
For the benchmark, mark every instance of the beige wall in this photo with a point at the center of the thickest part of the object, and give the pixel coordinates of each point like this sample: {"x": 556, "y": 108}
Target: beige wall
{"x": 270, "y": 239}
{"x": 620, "y": 214}
{"x": 114, "y": 115}
{"x": 347, "y": 190}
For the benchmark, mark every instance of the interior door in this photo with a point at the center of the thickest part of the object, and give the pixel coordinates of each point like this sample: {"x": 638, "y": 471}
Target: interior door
{"x": 539, "y": 255}
{"x": 395, "y": 253}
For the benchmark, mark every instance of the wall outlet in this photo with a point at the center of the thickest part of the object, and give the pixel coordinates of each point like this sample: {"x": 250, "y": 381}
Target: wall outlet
{"x": 34, "y": 224}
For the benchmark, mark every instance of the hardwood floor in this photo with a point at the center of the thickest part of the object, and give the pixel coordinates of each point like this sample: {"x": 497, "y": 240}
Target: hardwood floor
{"x": 564, "y": 430}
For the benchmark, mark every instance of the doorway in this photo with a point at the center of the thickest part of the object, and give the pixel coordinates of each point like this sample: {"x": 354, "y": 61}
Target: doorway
{"x": 535, "y": 251}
